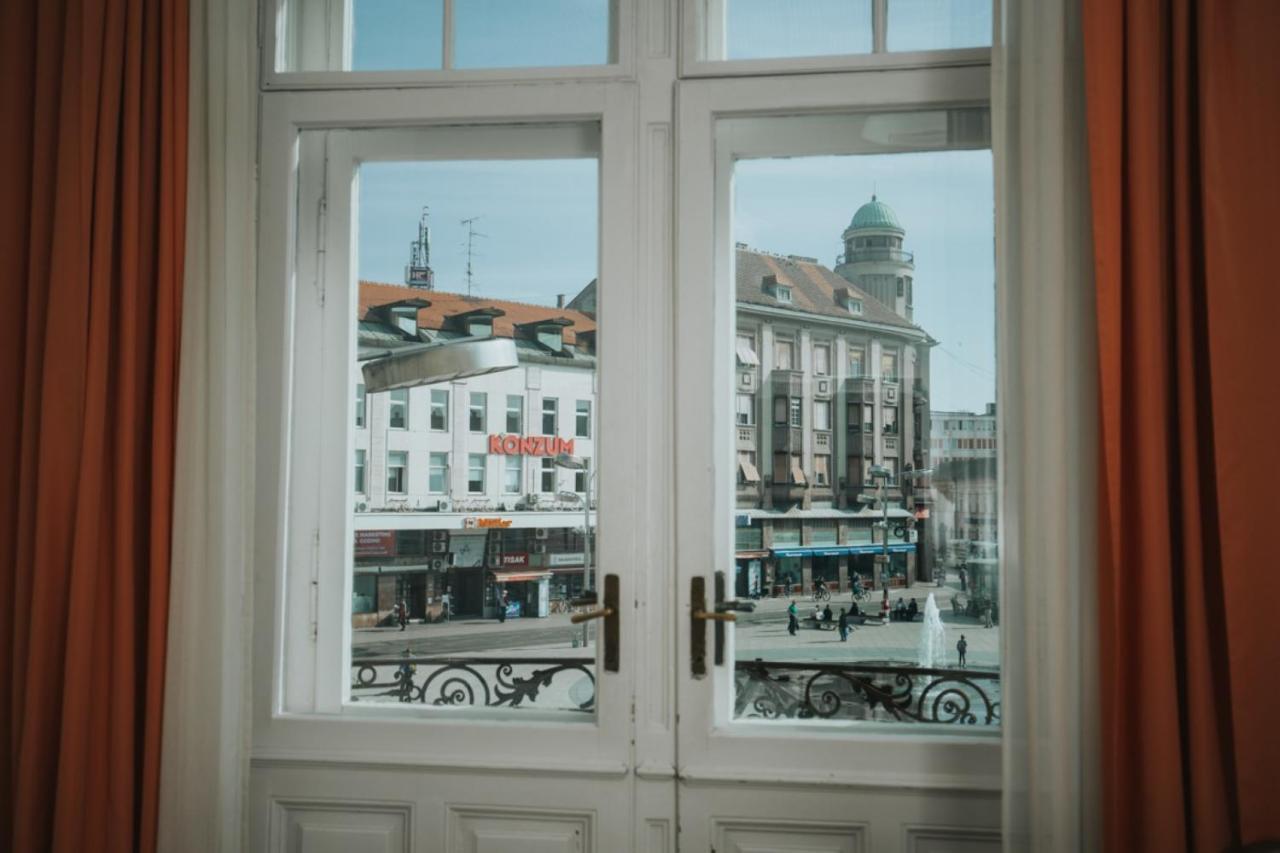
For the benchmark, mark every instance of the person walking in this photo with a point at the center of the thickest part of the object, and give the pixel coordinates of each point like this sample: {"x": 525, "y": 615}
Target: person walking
{"x": 793, "y": 623}
{"x": 964, "y": 576}
{"x": 844, "y": 625}
{"x": 502, "y": 606}
{"x": 402, "y": 613}
{"x": 962, "y": 647}
{"x": 446, "y": 603}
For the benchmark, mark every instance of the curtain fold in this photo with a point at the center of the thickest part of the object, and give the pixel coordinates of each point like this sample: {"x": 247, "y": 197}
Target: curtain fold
{"x": 93, "y": 97}
{"x": 1183, "y": 103}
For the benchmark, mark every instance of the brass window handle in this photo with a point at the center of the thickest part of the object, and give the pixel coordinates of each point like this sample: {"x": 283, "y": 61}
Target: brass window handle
{"x": 715, "y": 617}
{"x": 579, "y": 618}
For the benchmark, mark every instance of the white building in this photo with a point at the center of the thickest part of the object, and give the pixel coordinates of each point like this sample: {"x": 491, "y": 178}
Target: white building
{"x": 966, "y": 498}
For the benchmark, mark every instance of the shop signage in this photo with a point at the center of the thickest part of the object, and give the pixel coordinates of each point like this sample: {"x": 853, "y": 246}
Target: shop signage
{"x": 530, "y": 445}
{"x": 375, "y": 543}
{"x": 564, "y": 559}
{"x": 484, "y": 523}
{"x": 514, "y": 561}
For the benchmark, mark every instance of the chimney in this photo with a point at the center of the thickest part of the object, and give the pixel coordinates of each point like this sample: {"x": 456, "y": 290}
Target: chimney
{"x": 559, "y": 300}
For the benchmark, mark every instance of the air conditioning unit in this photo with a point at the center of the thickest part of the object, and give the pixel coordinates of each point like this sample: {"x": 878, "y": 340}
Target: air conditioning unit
{"x": 444, "y": 505}
{"x": 539, "y": 547}
{"x": 495, "y": 548}
{"x": 362, "y": 507}
{"x": 540, "y": 533}
{"x": 440, "y": 547}
{"x": 439, "y": 564}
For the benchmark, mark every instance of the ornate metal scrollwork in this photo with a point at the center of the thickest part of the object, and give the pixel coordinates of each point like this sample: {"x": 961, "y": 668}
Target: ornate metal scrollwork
{"x": 867, "y": 691}
{"x": 480, "y": 682}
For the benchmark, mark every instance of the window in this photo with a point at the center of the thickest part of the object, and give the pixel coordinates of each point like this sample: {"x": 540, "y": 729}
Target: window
{"x": 746, "y": 407}
{"x": 797, "y": 471}
{"x": 548, "y": 479}
{"x": 475, "y": 473}
{"x": 868, "y": 418}
{"x": 360, "y": 400}
{"x": 397, "y": 472}
{"x": 360, "y": 471}
{"x": 746, "y": 351}
{"x": 580, "y": 478}
{"x": 783, "y": 353}
{"x": 549, "y": 408}
{"x": 797, "y": 416}
{"x": 780, "y": 410}
{"x": 890, "y": 416}
{"x": 399, "y": 402}
{"x": 582, "y": 425}
{"x": 477, "y": 418}
{"x": 513, "y": 475}
{"x": 437, "y": 473}
{"x": 747, "y": 472}
{"x": 822, "y": 470}
{"x": 891, "y": 465}
{"x": 889, "y": 366}
{"x": 821, "y": 359}
{"x": 515, "y": 414}
{"x": 822, "y": 414}
{"x": 439, "y": 410}
{"x": 857, "y": 362}
{"x": 782, "y": 293}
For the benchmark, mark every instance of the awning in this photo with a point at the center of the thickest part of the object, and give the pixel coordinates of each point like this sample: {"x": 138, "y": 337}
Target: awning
{"x": 797, "y": 474}
{"x": 842, "y": 550}
{"x": 511, "y": 577}
{"x": 749, "y": 472}
{"x": 750, "y": 555}
{"x": 746, "y": 355}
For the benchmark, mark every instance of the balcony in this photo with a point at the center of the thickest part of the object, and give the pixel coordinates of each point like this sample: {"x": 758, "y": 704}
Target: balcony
{"x": 880, "y": 253}
{"x": 860, "y": 388}
{"x": 746, "y": 437}
{"x": 787, "y": 382}
{"x": 788, "y": 439}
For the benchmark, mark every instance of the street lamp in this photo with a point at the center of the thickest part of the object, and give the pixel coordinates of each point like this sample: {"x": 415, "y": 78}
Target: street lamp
{"x": 882, "y": 475}
{"x": 575, "y": 463}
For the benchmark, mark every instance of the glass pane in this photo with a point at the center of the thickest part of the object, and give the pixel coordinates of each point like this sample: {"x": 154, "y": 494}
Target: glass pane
{"x": 477, "y": 529}
{"x": 938, "y": 24}
{"x": 396, "y": 35}
{"x": 867, "y": 535}
{"x": 517, "y": 33}
{"x": 762, "y": 29}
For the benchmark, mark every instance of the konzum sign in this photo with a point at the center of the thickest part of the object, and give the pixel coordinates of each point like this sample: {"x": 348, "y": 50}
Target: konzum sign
{"x": 530, "y": 445}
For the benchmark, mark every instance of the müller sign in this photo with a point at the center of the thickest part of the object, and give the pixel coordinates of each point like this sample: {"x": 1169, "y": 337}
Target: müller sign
{"x": 530, "y": 445}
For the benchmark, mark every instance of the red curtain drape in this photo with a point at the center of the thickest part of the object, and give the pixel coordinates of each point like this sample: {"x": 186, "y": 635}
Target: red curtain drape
{"x": 1183, "y": 106}
{"x": 93, "y": 98}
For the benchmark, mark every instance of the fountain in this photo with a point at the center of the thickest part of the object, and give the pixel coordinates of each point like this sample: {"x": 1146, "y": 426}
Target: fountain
{"x": 933, "y": 637}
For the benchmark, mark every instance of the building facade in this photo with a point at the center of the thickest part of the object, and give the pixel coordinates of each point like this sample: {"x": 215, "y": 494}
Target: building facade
{"x": 965, "y": 517}
{"x": 832, "y": 379}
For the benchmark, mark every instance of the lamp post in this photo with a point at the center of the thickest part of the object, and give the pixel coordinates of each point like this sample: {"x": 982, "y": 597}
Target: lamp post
{"x": 575, "y": 463}
{"x": 882, "y": 475}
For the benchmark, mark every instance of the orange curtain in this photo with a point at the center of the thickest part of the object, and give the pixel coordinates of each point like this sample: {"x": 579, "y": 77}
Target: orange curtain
{"x": 93, "y": 98}
{"x": 1183, "y": 105}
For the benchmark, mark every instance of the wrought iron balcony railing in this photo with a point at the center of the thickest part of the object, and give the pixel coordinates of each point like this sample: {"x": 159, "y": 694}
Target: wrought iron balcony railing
{"x": 871, "y": 691}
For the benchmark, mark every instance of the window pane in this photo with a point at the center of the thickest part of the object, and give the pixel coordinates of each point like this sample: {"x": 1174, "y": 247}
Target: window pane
{"x": 938, "y": 24}
{"x": 850, "y": 503}
{"x": 463, "y": 521}
{"x": 760, "y": 29}
{"x": 518, "y": 33}
{"x": 392, "y": 35}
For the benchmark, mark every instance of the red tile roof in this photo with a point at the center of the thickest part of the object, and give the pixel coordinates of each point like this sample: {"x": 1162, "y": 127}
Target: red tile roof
{"x": 444, "y": 304}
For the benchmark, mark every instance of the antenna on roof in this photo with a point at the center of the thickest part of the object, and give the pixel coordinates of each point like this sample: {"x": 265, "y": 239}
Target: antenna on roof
{"x": 472, "y": 233}
{"x": 418, "y": 271}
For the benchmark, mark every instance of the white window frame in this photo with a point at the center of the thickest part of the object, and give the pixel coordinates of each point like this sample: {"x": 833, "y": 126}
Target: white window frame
{"x": 404, "y": 475}
{"x": 581, "y": 427}
{"x": 302, "y": 675}
{"x": 518, "y": 409}
{"x": 555, "y": 416}
{"x": 444, "y": 472}
{"x": 431, "y": 410}
{"x": 361, "y": 472}
{"x": 477, "y": 461}
{"x": 484, "y": 411}
{"x": 403, "y": 404}
{"x": 513, "y": 465}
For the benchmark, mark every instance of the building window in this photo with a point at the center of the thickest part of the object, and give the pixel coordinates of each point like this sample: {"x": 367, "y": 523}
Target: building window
{"x": 784, "y": 351}
{"x": 746, "y": 409}
{"x": 400, "y": 409}
{"x": 475, "y": 473}
{"x": 857, "y": 362}
{"x": 821, "y": 359}
{"x": 853, "y": 471}
{"x": 360, "y": 405}
{"x": 822, "y": 414}
{"x": 512, "y": 475}
{"x": 780, "y": 410}
{"x": 822, "y": 470}
{"x": 580, "y": 478}
{"x": 397, "y": 472}
{"x": 360, "y": 471}
{"x": 477, "y": 416}
{"x": 515, "y": 414}
{"x": 582, "y": 420}
{"x": 548, "y": 483}
{"x": 797, "y": 417}
{"x": 866, "y": 471}
{"x": 549, "y": 410}
{"x": 782, "y": 293}
{"x": 868, "y": 418}
{"x": 890, "y": 421}
{"x": 781, "y": 468}
{"x": 889, "y": 366}
{"x": 439, "y": 410}
{"x": 797, "y": 470}
{"x": 891, "y": 465}
{"x": 747, "y": 472}
{"x": 437, "y": 473}
{"x": 746, "y": 351}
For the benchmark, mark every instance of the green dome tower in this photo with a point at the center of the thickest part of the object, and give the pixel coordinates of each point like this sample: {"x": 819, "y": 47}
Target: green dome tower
{"x": 873, "y": 257}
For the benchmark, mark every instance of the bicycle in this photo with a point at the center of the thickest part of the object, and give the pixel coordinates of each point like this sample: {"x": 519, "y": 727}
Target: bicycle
{"x": 821, "y": 593}
{"x": 860, "y": 592}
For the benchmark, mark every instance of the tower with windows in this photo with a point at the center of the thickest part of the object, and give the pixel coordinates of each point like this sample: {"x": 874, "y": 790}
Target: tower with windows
{"x": 874, "y": 259}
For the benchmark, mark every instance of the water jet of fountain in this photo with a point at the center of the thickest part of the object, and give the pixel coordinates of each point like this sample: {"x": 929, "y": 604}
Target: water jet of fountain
{"x": 933, "y": 637}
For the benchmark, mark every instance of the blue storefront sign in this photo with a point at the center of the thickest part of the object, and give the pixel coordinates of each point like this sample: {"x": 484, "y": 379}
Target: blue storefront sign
{"x": 841, "y": 550}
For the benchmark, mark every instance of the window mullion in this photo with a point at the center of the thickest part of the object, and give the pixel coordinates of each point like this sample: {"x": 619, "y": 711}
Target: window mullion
{"x": 879, "y": 25}
{"x": 446, "y": 51}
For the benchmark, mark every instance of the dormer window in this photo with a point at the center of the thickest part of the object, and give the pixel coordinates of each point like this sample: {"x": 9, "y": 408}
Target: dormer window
{"x": 480, "y": 327}
{"x": 549, "y": 334}
{"x": 846, "y": 300}
{"x": 551, "y": 338}
{"x": 778, "y": 290}
{"x": 782, "y": 293}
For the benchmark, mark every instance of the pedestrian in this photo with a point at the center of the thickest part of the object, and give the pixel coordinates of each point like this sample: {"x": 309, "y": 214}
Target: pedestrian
{"x": 502, "y": 606}
{"x": 912, "y": 610}
{"x": 964, "y": 577}
{"x": 844, "y": 625}
{"x": 793, "y": 623}
{"x": 446, "y": 603}
{"x": 402, "y": 613}
{"x": 962, "y": 647}
{"x": 986, "y": 615}
{"x": 826, "y": 613}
